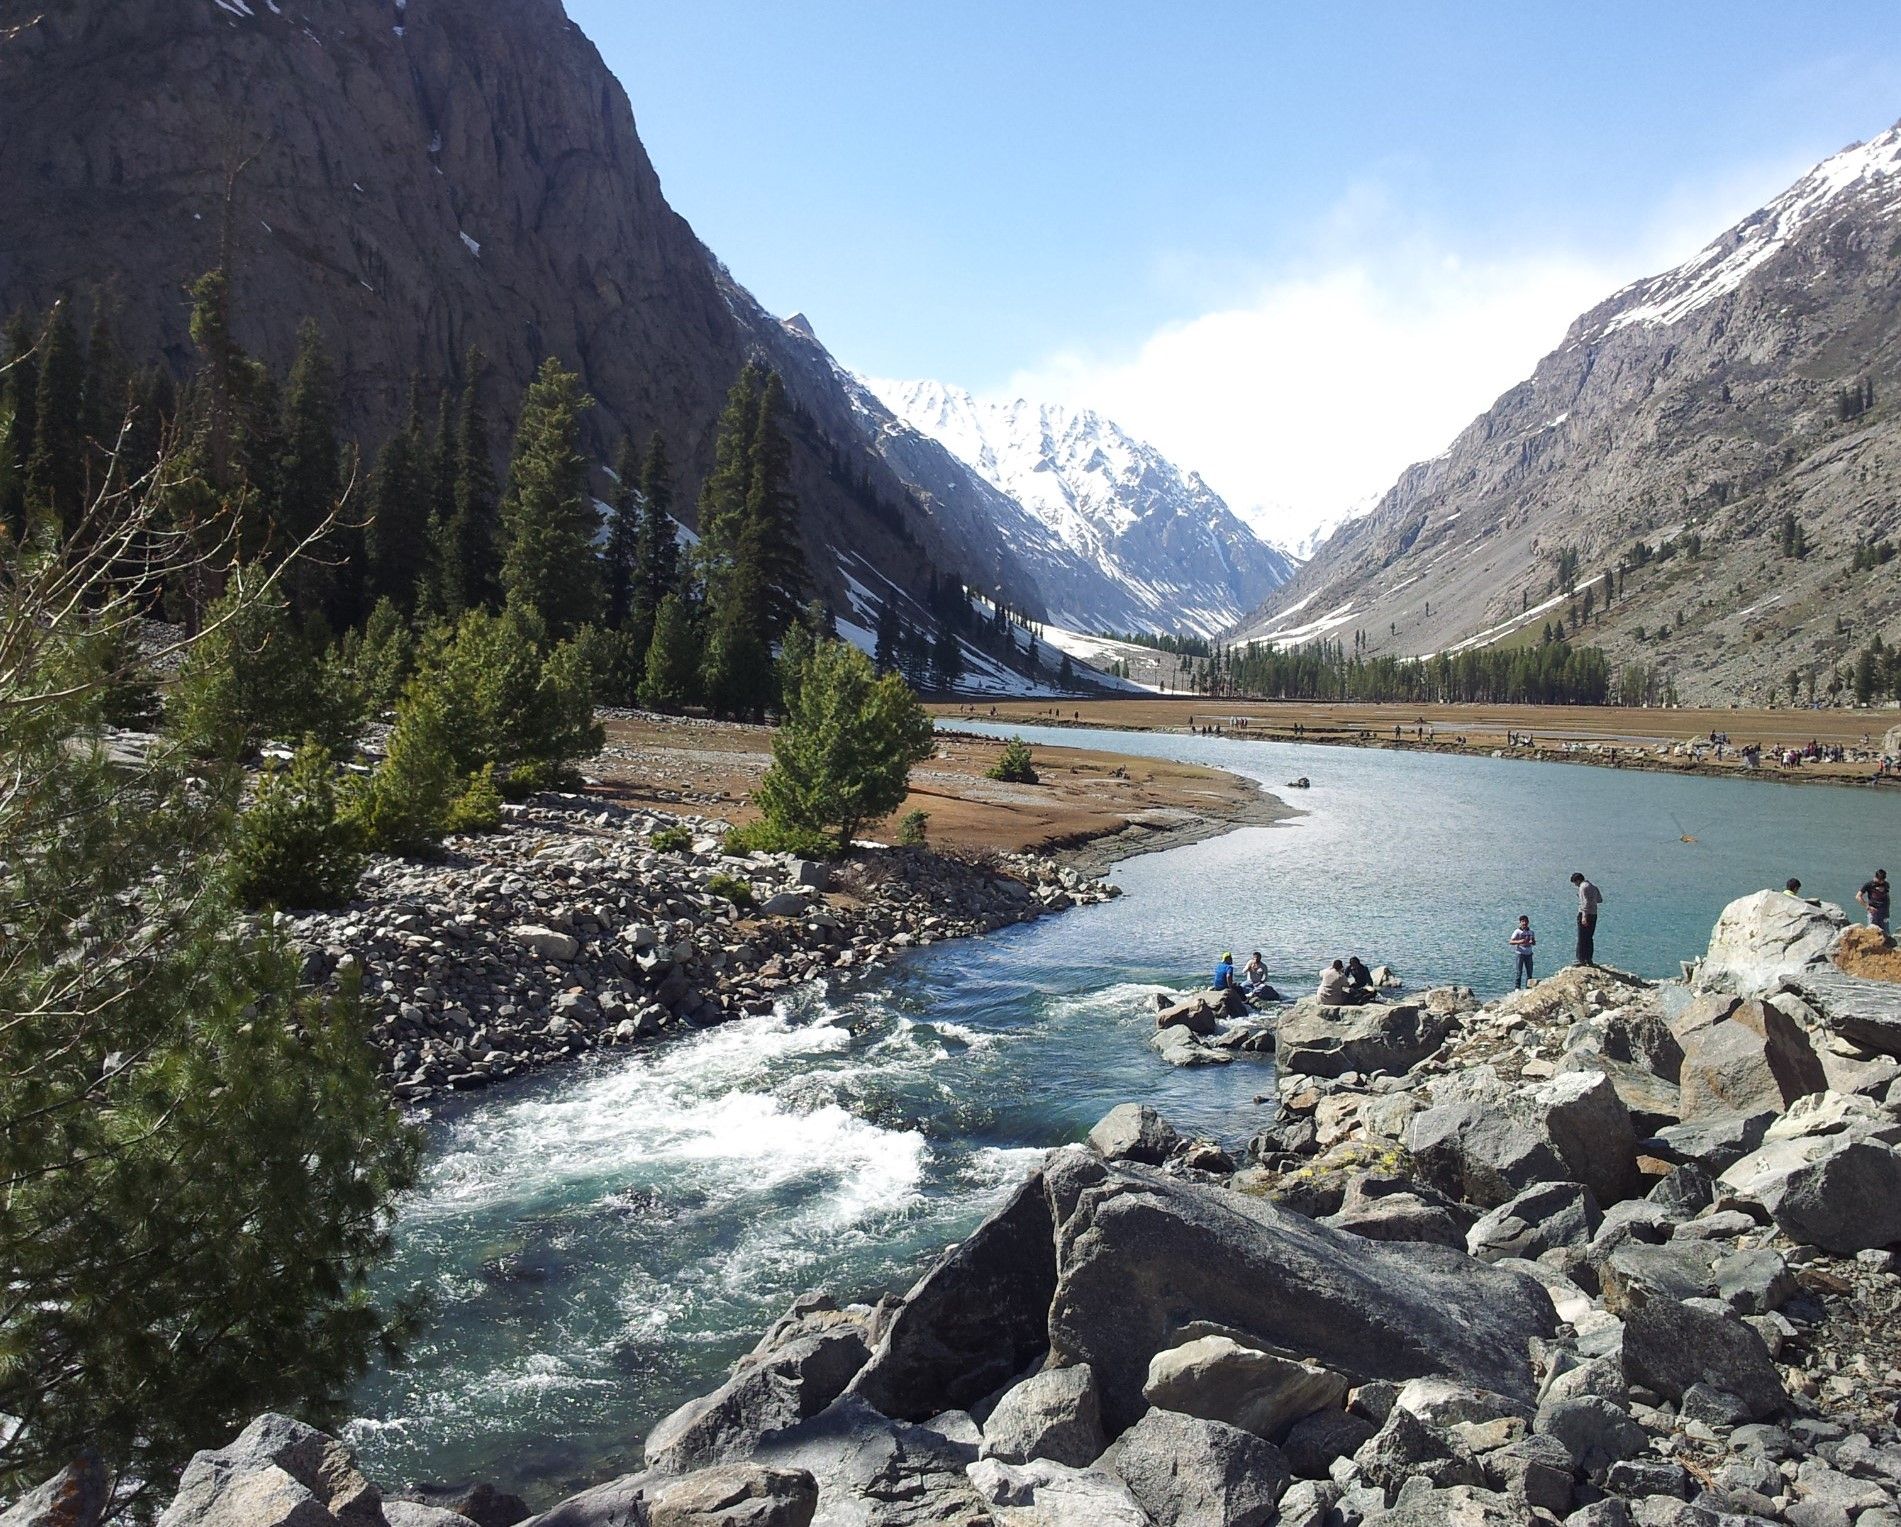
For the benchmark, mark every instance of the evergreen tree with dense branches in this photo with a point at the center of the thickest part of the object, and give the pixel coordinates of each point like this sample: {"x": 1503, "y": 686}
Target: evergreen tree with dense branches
{"x": 548, "y": 516}
{"x": 620, "y": 559}
{"x": 56, "y": 469}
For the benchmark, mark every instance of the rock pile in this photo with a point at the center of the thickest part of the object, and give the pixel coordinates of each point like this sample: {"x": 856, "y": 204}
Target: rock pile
{"x": 571, "y": 929}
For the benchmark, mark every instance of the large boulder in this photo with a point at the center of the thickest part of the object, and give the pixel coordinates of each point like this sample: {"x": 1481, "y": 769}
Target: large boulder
{"x": 876, "y": 1472}
{"x": 798, "y": 1369}
{"x": 276, "y": 1473}
{"x": 1179, "y": 1047}
{"x": 1669, "y": 1346}
{"x": 1045, "y": 1493}
{"x": 1200, "y": 1014}
{"x": 1841, "y": 1192}
{"x": 1054, "y": 1414}
{"x": 1864, "y": 1012}
{"x": 1488, "y": 1141}
{"x": 1543, "y": 1216}
{"x": 1317, "y": 1040}
{"x": 1145, "y": 1261}
{"x": 1218, "y": 1379}
{"x": 76, "y": 1496}
{"x": 974, "y": 1321}
{"x": 1755, "y": 1059}
{"x": 1762, "y": 940}
{"x": 736, "y": 1495}
{"x": 1397, "y": 1209}
{"x": 1134, "y": 1132}
{"x": 1187, "y": 1471}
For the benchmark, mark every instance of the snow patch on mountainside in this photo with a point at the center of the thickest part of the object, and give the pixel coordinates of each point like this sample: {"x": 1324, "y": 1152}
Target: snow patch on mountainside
{"x": 1872, "y": 168}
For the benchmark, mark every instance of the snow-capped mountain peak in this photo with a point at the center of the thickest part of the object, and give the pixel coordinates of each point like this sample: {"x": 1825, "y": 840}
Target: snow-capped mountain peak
{"x": 1870, "y": 171}
{"x": 1187, "y": 561}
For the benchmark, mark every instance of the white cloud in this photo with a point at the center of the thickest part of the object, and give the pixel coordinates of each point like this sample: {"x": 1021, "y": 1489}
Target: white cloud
{"x": 1304, "y": 399}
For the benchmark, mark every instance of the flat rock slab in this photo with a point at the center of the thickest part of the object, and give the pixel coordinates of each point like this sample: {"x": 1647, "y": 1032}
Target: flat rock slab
{"x": 1316, "y": 1040}
{"x": 1866, "y": 1012}
{"x": 1145, "y": 1262}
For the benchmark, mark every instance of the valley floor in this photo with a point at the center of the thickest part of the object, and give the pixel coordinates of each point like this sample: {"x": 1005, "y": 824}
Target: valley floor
{"x": 1090, "y": 807}
{"x": 1650, "y": 738}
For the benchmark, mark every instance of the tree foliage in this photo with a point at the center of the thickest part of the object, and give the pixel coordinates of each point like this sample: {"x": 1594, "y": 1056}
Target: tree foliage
{"x": 843, "y": 753}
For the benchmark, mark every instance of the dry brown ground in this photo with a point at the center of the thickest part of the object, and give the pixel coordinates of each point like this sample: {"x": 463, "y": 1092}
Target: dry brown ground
{"x": 1115, "y": 803}
{"x": 1864, "y": 952}
{"x": 1474, "y": 728}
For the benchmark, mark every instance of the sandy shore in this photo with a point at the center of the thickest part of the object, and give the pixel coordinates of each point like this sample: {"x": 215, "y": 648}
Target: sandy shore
{"x": 1608, "y": 736}
{"x": 1090, "y": 808}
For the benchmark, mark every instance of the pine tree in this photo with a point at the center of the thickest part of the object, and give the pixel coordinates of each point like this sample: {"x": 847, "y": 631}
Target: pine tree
{"x": 771, "y": 541}
{"x": 548, "y": 516}
{"x": 947, "y": 658}
{"x": 471, "y": 556}
{"x": 434, "y": 583}
{"x": 620, "y": 561}
{"x": 671, "y": 679}
{"x": 309, "y": 479}
{"x": 890, "y": 635}
{"x": 659, "y": 549}
{"x": 396, "y": 541}
{"x": 56, "y": 469}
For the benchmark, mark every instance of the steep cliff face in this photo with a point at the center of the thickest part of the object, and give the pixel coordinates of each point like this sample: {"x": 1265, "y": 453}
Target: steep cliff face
{"x": 1694, "y": 410}
{"x": 419, "y": 176}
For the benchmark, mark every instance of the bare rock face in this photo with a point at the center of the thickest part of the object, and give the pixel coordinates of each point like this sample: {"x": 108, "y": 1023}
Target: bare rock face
{"x": 418, "y": 178}
{"x": 276, "y": 1473}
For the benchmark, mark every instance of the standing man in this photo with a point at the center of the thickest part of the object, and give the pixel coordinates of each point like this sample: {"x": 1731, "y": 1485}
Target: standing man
{"x": 1589, "y": 900}
{"x": 1523, "y": 941}
{"x": 1874, "y": 897}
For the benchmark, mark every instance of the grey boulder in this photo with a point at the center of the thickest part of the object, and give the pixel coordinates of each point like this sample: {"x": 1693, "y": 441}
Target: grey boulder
{"x": 1670, "y": 1346}
{"x": 1316, "y": 1040}
{"x": 1488, "y": 1142}
{"x": 1839, "y": 1192}
{"x": 1532, "y": 1222}
{"x": 974, "y": 1321}
{"x": 1755, "y": 1059}
{"x": 1134, "y": 1132}
{"x": 736, "y": 1495}
{"x": 1218, "y": 1379}
{"x": 778, "y": 1385}
{"x": 1054, "y": 1414}
{"x": 1187, "y": 1471}
{"x": 276, "y": 1471}
{"x": 1763, "y": 939}
{"x": 1141, "y": 1257}
{"x": 876, "y": 1472}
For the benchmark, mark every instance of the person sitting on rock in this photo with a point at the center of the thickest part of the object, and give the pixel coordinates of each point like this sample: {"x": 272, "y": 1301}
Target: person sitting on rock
{"x": 1360, "y": 986}
{"x": 1333, "y": 985}
{"x": 1253, "y": 974}
{"x": 1224, "y": 973}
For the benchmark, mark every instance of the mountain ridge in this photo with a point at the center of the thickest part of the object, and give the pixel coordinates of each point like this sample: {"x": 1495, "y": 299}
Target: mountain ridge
{"x": 1666, "y": 441}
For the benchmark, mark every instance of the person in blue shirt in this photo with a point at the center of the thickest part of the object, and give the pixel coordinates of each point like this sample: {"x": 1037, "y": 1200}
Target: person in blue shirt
{"x": 1224, "y": 973}
{"x": 1523, "y": 941}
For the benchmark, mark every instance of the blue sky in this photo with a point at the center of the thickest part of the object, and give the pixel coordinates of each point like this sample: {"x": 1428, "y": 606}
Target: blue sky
{"x": 1155, "y": 208}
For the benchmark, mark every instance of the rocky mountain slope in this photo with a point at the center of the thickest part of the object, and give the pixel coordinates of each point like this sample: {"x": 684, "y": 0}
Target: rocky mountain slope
{"x": 420, "y": 176}
{"x": 1700, "y": 414}
{"x": 1120, "y": 537}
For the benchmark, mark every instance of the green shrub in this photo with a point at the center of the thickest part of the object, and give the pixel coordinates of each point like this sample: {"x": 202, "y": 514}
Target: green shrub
{"x": 614, "y": 663}
{"x": 251, "y": 678}
{"x": 295, "y": 847}
{"x": 1013, "y": 766}
{"x": 672, "y": 840}
{"x": 843, "y": 754}
{"x": 507, "y": 703}
{"x": 731, "y": 888}
{"x": 911, "y": 828}
{"x": 377, "y": 661}
{"x": 405, "y": 807}
{"x": 771, "y": 838}
{"x": 479, "y": 807}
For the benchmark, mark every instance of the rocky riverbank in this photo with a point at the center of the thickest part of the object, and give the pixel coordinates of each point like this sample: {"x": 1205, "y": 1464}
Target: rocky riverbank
{"x": 1601, "y": 1253}
{"x": 585, "y": 923}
